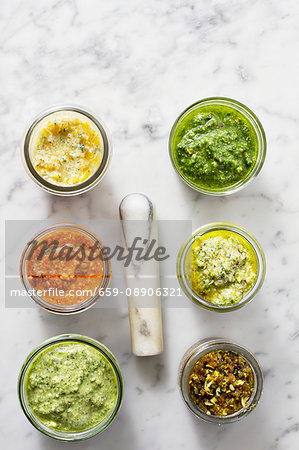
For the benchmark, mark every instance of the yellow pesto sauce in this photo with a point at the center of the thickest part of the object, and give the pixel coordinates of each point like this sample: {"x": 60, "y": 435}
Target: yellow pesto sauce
{"x": 224, "y": 267}
{"x": 67, "y": 151}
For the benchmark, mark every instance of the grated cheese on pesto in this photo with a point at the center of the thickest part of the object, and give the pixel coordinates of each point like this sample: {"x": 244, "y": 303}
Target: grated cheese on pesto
{"x": 223, "y": 270}
{"x": 67, "y": 151}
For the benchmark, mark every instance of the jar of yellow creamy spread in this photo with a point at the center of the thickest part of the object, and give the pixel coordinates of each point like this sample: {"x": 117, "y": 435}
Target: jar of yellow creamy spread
{"x": 66, "y": 150}
{"x": 221, "y": 267}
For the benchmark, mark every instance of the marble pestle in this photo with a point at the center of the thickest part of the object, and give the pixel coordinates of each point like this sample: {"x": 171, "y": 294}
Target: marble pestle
{"x": 139, "y": 225}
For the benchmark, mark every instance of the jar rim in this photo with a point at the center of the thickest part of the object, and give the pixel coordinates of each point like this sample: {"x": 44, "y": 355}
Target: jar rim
{"x": 65, "y": 309}
{"x": 61, "y": 435}
{"x": 259, "y": 133}
{"x": 78, "y": 188}
{"x": 201, "y": 348}
{"x": 184, "y": 253}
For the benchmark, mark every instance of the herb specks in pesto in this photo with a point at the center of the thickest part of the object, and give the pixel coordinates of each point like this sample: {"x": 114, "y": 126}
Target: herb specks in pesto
{"x": 215, "y": 146}
{"x": 224, "y": 267}
{"x": 71, "y": 387}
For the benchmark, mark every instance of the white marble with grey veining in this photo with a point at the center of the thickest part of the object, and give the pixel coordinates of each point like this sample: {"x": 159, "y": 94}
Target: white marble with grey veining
{"x": 138, "y": 64}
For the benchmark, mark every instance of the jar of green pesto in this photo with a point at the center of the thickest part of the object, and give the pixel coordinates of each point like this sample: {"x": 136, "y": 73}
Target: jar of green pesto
{"x": 70, "y": 387}
{"x": 221, "y": 267}
{"x": 217, "y": 146}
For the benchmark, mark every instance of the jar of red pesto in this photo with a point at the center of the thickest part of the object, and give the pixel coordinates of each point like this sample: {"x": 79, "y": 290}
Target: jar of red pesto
{"x": 62, "y": 268}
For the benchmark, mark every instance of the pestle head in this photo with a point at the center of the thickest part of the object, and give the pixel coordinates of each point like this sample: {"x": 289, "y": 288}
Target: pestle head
{"x": 136, "y": 206}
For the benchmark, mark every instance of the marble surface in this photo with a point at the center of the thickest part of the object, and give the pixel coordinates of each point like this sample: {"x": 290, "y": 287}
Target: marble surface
{"x": 138, "y": 65}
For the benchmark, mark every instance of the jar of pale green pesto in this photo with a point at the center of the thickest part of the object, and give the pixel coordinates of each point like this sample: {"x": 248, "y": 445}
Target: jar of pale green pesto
{"x": 70, "y": 387}
{"x": 217, "y": 146}
{"x": 221, "y": 267}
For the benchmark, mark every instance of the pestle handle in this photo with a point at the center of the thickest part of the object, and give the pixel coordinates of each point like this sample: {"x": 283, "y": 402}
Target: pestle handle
{"x": 138, "y": 221}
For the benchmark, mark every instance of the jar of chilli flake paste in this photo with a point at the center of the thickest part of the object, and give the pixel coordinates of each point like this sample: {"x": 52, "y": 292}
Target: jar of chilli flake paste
{"x": 220, "y": 381}
{"x": 66, "y": 150}
{"x": 62, "y": 269}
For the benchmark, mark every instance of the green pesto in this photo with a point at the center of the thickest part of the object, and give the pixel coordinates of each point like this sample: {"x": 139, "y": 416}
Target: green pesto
{"x": 215, "y": 146}
{"x": 71, "y": 387}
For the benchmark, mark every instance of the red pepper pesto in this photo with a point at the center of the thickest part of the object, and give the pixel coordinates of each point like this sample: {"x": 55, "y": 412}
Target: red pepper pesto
{"x": 221, "y": 383}
{"x": 66, "y": 266}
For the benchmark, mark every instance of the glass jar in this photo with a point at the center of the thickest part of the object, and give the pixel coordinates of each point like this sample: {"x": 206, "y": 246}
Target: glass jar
{"x": 40, "y": 121}
{"x": 260, "y": 140}
{"x": 191, "y": 357}
{"x": 184, "y": 266}
{"x": 62, "y": 435}
{"x": 65, "y": 308}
